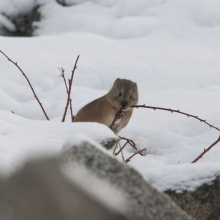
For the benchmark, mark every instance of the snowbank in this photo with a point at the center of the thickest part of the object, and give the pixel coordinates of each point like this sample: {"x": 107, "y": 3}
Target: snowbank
{"x": 170, "y": 48}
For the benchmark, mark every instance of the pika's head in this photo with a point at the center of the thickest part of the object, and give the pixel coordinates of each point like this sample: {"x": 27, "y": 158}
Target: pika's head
{"x": 123, "y": 93}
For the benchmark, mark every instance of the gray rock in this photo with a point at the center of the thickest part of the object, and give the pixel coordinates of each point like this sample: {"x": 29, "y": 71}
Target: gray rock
{"x": 109, "y": 143}
{"x": 41, "y": 192}
{"x": 143, "y": 201}
{"x": 203, "y": 203}
{"x": 23, "y": 24}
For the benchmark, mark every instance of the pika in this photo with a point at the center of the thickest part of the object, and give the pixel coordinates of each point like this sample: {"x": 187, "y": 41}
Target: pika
{"x": 123, "y": 93}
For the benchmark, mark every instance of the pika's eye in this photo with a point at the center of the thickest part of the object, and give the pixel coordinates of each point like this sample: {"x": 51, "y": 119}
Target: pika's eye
{"x": 131, "y": 96}
{"x": 120, "y": 94}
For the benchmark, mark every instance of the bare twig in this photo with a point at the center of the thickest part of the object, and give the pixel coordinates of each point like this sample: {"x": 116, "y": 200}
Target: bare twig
{"x": 67, "y": 90}
{"x": 177, "y": 111}
{"x": 121, "y": 153}
{"x": 206, "y": 150}
{"x": 189, "y": 115}
{"x": 62, "y": 75}
{"x": 70, "y": 86}
{"x": 73, "y": 118}
{"x": 116, "y": 146}
{"x": 121, "y": 149}
{"x": 16, "y": 64}
{"x": 127, "y": 160}
{"x": 116, "y": 116}
{"x": 131, "y": 142}
{"x": 71, "y": 110}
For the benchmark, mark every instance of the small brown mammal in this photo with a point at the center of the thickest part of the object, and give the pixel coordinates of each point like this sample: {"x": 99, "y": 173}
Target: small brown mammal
{"x": 123, "y": 93}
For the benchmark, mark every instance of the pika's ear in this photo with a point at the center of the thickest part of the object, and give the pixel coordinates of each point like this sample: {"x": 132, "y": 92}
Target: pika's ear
{"x": 116, "y": 81}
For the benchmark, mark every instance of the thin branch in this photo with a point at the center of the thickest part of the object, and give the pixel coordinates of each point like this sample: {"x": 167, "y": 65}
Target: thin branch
{"x": 71, "y": 110}
{"x": 67, "y": 90}
{"x": 116, "y": 146}
{"x": 16, "y": 64}
{"x": 177, "y": 111}
{"x": 121, "y": 153}
{"x": 70, "y": 86}
{"x": 140, "y": 151}
{"x": 121, "y": 149}
{"x": 62, "y": 75}
{"x": 116, "y": 116}
{"x": 206, "y": 150}
{"x": 73, "y": 118}
{"x": 131, "y": 142}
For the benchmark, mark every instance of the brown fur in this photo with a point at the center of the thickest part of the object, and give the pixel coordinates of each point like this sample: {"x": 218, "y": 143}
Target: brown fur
{"x": 102, "y": 110}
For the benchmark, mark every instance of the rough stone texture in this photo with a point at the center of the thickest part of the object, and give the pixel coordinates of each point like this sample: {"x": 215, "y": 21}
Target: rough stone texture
{"x": 41, "y": 192}
{"x": 144, "y": 202}
{"x": 203, "y": 203}
{"x": 109, "y": 143}
{"x": 23, "y": 24}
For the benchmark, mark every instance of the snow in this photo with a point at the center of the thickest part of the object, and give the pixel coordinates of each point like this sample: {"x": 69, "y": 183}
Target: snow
{"x": 23, "y": 138}
{"x": 170, "y": 48}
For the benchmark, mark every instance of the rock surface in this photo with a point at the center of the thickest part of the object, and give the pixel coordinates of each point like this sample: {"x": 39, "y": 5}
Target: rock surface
{"x": 41, "y": 192}
{"x": 203, "y": 203}
{"x": 143, "y": 201}
{"x": 23, "y": 24}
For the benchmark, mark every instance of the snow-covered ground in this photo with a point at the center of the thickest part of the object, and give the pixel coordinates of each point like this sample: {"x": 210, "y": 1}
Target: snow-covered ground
{"x": 170, "y": 48}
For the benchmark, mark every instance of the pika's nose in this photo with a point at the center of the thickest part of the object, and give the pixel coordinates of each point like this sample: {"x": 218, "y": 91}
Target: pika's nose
{"x": 124, "y": 103}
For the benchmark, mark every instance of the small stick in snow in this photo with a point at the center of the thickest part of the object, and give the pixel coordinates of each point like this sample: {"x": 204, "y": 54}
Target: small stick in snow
{"x": 121, "y": 153}
{"x": 127, "y": 160}
{"x": 62, "y": 75}
{"x": 189, "y": 115}
{"x": 71, "y": 110}
{"x": 70, "y": 86}
{"x": 206, "y": 150}
{"x": 116, "y": 146}
{"x": 130, "y": 142}
{"x": 116, "y": 116}
{"x": 16, "y": 64}
{"x": 121, "y": 149}
{"x": 177, "y": 111}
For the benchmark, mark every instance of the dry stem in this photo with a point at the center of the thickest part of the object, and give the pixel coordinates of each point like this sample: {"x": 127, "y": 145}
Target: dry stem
{"x": 70, "y": 86}
{"x": 121, "y": 149}
{"x": 130, "y": 142}
{"x": 127, "y": 160}
{"x": 121, "y": 153}
{"x": 112, "y": 124}
{"x": 71, "y": 110}
{"x": 116, "y": 146}
{"x": 62, "y": 75}
{"x": 206, "y": 150}
{"x": 177, "y": 111}
{"x": 189, "y": 115}
{"x": 16, "y": 64}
